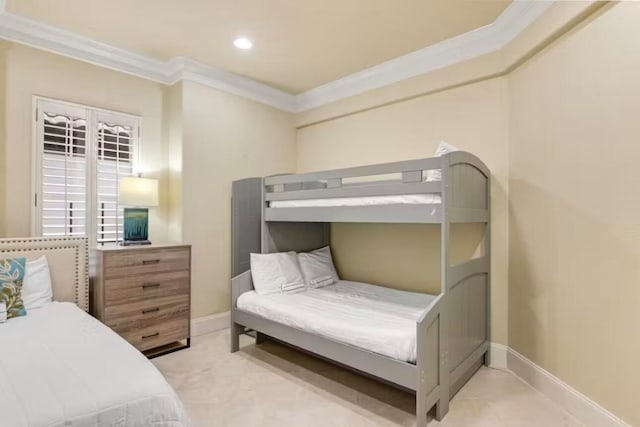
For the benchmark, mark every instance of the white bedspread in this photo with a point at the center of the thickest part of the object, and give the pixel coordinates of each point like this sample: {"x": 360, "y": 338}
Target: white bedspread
{"x": 61, "y": 367}
{"x": 374, "y": 318}
{"x": 403, "y": 199}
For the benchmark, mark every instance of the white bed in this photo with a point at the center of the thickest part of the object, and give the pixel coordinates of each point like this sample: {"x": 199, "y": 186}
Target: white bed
{"x": 403, "y": 199}
{"x": 373, "y": 318}
{"x": 61, "y": 367}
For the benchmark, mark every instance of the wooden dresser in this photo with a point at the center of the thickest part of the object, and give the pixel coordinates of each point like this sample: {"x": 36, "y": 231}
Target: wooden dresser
{"x": 144, "y": 294}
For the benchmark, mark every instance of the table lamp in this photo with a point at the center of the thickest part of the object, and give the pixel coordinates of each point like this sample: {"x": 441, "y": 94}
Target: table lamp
{"x": 139, "y": 194}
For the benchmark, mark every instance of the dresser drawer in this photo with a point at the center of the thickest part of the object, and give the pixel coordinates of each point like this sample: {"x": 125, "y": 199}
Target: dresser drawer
{"x": 144, "y": 287}
{"x": 156, "y": 335}
{"x": 146, "y": 313}
{"x": 127, "y": 263}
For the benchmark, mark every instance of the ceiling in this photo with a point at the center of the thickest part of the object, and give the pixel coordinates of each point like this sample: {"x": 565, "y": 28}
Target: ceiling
{"x": 298, "y": 44}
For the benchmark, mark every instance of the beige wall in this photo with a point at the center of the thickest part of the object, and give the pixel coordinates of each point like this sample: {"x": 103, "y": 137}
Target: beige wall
{"x": 472, "y": 117}
{"x": 224, "y": 138}
{"x": 401, "y": 256}
{"x": 32, "y": 72}
{"x": 575, "y": 209}
{"x": 172, "y": 135}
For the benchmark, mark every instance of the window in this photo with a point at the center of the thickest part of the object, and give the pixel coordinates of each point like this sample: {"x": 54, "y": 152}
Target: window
{"x": 82, "y": 153}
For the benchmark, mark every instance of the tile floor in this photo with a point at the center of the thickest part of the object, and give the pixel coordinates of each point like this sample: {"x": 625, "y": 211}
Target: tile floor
{"x": 273, "y": 385}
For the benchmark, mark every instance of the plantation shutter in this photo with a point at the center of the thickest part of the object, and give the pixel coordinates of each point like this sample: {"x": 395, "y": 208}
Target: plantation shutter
{"x": 115, "y": 157}
{"x": 81, "y": 155}
{"x": 64, "y": 172}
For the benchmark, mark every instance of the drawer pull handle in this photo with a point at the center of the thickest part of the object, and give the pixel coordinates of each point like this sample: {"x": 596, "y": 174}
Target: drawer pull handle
{"x": 150, "y": 261}
{"x": 150, "y": 310}
{"x": 150, "y": 285}
{"x": 144, "y": 337}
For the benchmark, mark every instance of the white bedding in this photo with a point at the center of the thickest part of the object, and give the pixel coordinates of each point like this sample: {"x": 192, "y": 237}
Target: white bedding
{"x": 60, "y": 366}
{"x": 374, "y": 318}
{"x": 403, "y": 199}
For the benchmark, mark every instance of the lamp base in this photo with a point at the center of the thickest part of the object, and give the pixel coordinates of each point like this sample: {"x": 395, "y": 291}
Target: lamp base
{"x": 136, "y": 226}
{"x": 134, "y": 243}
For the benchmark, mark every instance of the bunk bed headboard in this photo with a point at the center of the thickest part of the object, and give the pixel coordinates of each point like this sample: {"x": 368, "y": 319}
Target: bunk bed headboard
{"x": 251, "y": 234}
{"x": 246, "y": 220}
{"x": 294, "y": 236}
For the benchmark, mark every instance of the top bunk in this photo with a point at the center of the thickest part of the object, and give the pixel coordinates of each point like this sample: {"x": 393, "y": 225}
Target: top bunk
{"x": 451, "y": 188}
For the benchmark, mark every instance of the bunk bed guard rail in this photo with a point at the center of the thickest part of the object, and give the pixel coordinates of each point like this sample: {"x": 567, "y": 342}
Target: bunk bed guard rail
{"x": 466, "y": 181}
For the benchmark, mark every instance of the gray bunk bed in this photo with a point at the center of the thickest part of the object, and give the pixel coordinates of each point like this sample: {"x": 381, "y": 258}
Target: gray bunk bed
{"x": 452, "y": 334}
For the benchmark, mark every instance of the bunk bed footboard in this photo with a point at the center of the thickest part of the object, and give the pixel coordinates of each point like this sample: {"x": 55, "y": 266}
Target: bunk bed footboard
{"x": 466, "y": 321}
{"x": 428, "y": 361}
{"x": 240, "y": 284}
{"x": 467, "y": 293}
{"x": 452, "y": 339}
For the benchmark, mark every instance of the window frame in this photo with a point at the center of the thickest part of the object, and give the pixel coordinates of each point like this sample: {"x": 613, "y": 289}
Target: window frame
{"x": 92, "y": 115}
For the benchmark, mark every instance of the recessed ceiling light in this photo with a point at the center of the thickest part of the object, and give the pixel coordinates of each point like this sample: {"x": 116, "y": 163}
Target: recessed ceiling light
{"x": 243, "y": 43}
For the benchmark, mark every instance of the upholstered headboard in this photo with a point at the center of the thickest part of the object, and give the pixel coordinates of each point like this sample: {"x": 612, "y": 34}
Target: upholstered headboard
{"x": 68, "y": 259}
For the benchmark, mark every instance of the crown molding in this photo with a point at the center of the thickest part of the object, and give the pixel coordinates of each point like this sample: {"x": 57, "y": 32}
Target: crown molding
{"x": 490, "y": 38}
{"x": 45, "y": 37}
{"x": 191, "y": 70}
{"x": 52, "y": 39}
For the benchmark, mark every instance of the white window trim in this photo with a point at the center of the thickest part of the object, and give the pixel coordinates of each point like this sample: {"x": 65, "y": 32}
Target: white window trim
{"x": 36, "y": 158}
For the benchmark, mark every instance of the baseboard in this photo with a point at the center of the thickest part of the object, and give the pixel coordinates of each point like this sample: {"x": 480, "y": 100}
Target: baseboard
{"x": 498, "y": 356}
{"x": 577, "y": 404}
{"x": 207, "y": 324}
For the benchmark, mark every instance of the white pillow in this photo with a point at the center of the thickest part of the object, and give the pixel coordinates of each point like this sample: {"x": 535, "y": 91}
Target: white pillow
{"x": 36, "y": 288}
{"x": 443, "y": 148}
{"x": 317, "y": 268}
{"x": 275, "y": 273}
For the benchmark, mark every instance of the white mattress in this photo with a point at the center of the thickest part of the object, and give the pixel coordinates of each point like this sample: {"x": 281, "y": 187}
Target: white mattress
{"x": 60, "y": 366}
{"x": 373, "y": 318}
{"x": 403, "y": 199}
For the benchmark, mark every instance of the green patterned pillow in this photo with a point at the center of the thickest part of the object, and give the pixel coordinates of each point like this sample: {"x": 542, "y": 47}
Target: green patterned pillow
{"x": 11, "y": 278}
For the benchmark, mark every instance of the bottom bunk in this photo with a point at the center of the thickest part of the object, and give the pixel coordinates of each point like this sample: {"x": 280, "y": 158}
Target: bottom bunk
{"x": 373, "y": 318}
{"x": 405, "y": 339}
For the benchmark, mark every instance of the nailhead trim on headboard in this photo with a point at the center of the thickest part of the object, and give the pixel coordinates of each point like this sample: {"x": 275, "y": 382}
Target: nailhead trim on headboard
{"x": 59, "y": 243}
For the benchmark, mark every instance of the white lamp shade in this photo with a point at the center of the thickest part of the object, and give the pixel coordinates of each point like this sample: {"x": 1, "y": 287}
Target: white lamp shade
{"x": 135, "y": 191}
